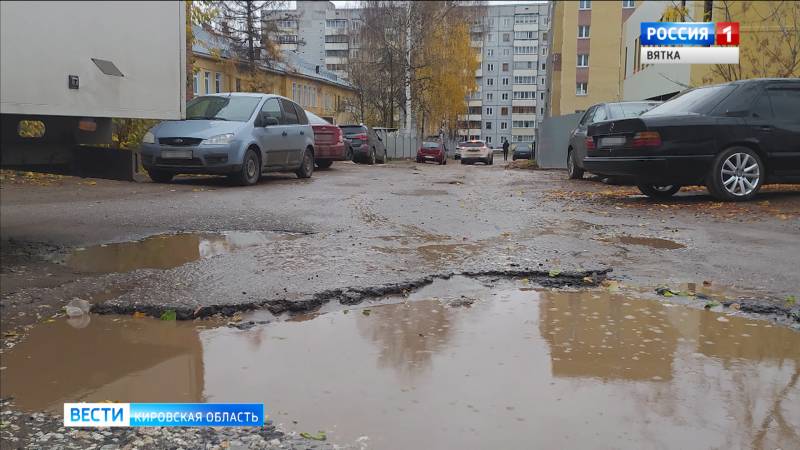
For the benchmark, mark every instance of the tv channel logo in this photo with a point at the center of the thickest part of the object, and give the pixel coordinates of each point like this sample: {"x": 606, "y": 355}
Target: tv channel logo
{"x": 164, "y": 414}
{"x": 689, "y": 43}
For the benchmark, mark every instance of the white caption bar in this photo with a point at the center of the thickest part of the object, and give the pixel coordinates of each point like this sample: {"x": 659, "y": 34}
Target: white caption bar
{"x": 690, "y": 55}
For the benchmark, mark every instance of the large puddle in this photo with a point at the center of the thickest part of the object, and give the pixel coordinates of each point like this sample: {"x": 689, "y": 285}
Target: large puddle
{"x": 164, "y": 251}
{"x": 503, "y": 367}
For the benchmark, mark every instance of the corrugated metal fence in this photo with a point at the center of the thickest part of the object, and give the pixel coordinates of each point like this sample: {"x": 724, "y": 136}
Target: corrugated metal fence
{"x": 403, "y": 146}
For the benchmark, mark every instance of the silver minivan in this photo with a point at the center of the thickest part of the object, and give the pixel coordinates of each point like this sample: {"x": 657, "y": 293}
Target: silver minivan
{"x": 240, "y": 135}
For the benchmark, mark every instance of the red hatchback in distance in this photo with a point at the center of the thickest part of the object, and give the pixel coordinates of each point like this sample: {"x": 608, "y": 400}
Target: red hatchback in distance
{"x": 329, "y": 144}
{"x": 432, "y": 151}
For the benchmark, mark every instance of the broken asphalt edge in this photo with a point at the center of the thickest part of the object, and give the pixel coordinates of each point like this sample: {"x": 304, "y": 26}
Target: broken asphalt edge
{"x": 356, "y": 295}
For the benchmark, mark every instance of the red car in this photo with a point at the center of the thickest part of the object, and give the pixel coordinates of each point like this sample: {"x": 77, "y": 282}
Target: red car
{"x": 432, "y": 151}
{"x": 329, "y": 144}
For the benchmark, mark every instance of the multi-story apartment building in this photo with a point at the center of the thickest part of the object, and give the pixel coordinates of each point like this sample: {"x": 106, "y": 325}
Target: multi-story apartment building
{"x": 585, "y": 54}
{"x": 511, "y": 80}
{"x": 319, "y": 33}
{"x": 512, "y": 40}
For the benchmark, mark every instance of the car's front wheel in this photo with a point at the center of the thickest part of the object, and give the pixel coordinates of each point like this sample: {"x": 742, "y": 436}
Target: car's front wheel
{"x": 736, "y": 175}
{"x": 250, "y": 172}
{"x": 160, "y": 176}
{"x": 573, "y": 170}
{"x": 659, "y": 191}
{"x": 306, "y": 165}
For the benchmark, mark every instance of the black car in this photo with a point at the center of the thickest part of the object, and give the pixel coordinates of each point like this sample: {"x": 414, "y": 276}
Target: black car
{"x": 522, "y": 151}
{"x": 598, "y": 113}
{"x": 365, "y": 144}
{"x": 732, "y": 138}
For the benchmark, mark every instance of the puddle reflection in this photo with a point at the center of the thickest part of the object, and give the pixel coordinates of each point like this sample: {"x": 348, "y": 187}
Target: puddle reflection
{"x": 515, "y": 369}
{"x": 163, "y": 251}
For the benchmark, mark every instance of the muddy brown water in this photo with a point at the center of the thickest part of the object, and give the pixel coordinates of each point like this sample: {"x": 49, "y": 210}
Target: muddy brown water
{"x": 164, "y": 251}
{"x": 512, "y": 367}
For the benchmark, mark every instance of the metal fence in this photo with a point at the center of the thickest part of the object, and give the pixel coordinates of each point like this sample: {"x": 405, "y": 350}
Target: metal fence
{"x": 553, "y": 140}
{"x": 400, "y": 145}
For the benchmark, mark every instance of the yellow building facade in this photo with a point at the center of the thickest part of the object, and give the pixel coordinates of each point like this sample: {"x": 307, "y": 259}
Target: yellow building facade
{"x": 585, "y": 53}
{"x": 321, "y": 93}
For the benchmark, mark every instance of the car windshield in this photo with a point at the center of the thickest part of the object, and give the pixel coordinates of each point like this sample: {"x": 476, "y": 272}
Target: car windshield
{"x": 430, "y": 145}
{"x": 695, "y": 101}
{"x": 353, "y": 129}
{"x": 215, "y": 107}
{"x": 522, "y": 147}
{"x": 472, "y": 144}
{"x": 314, "y": 119}
{"x": 627, "y": 110}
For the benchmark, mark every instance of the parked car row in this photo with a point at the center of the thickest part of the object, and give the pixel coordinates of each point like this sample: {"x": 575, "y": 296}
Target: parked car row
{"x": 243, "y": 135}
{"x": 733, "y": 138}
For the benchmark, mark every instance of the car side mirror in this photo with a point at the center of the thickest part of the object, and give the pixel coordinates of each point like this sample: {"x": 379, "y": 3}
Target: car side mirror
{"x": 268, "y": 121}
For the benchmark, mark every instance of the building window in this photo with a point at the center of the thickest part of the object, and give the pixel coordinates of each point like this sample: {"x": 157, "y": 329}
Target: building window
{"x": 523, "y": 124}
{"x": 218, "y": 82}
{"x": 524, "y": 95}
{"x": 504, "y": 81}
{"x": 207, "y": 83}
{"x": 526, "y": 19}
{"x": 337, "y": 53}
{"x": 541, "y": 96}
{"x": 505, "y": 67}
{"x": 489, "y": 96}
{"x": 504, "y": 111}
{"x": 521, "y": 65}
{"x": 287, "y": 23}
{"x": 525, "y": 50}
{"x": 583, "y": 60}
{"x": 543, "y": 64}
{"x": 524, "y": 35}
{"x": 506, "y": 37}
{"x": 490, "y": 67}
{"x": 541, "y": 110}
{"x": 489, "y": 52}
{"x": 488, "y": 125}
{"x": 504, "y": 95}
{"x": 523, "y": 109}
{"x": 583, "y": 31}
{"x": 488, "y": 139}
{"x": 506, "y": 21}
{"x": 336, "y": 23}
{"x": 196, "y": 83}
{"x": 628, "y": 4}
{"x": 506, "y": 51}
{"x": 525, "y": 80}
{"x": 585, "y": 4}
{"x": 287, "y": 39}
{"x": 580, "y": 89}
{"x": 490, "y": 81}
{"x": 503, "y": 125}
{"x": 541, "y": 81}
{"x": 238, "y": 85}
{"x": 336, "y": 39}
{"x": 294, "y": 91}
{"x": 489, "y": 111}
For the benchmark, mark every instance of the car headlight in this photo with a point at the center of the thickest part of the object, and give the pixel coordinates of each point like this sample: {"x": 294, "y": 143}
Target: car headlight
{"x": 219, "y": 139}
{"x": 148, "y": 138}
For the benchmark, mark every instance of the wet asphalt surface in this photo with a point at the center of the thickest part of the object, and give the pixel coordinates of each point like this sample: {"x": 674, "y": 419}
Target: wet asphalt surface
{"x": 353, "y": 233}
{"x": 356, "y": 231}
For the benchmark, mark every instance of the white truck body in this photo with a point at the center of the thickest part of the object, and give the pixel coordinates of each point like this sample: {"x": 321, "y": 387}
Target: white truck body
{"x": 43, "y": 43}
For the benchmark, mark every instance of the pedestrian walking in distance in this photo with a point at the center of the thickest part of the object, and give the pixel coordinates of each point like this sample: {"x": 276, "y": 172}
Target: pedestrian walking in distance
{"x": 505, "y": 150}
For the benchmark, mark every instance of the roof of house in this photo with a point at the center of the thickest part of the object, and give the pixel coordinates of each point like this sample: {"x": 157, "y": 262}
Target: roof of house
{"x": 212, "y": 44}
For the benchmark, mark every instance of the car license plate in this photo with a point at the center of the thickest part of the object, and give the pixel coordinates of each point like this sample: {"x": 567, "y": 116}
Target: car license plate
{"x": 176, "y": 154}
{"x": 612, "y": 141}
